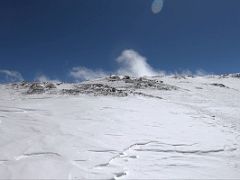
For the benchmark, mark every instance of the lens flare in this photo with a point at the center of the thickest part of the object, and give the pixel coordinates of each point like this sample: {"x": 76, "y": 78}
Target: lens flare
{"x": 157, "y": 6}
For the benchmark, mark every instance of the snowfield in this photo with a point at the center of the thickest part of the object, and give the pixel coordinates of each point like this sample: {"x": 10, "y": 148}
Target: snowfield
{"x": 115, "y": 128}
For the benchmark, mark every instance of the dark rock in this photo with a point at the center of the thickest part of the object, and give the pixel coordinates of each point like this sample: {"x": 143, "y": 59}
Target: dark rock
{"x": 129, "y": 81}
{"x": 126, "y": 78}
{"x": 36, "y": 88}
{"x": 114, "y": 78}
{"x": 96, "y": 89}
{"x": 50, "y": 86}
{"x": 143, "y": 83}
{"x": 219, "y": 85}
{"x": 237, "y": 75}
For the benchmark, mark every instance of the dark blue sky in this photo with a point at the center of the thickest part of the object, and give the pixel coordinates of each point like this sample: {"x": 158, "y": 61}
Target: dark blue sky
{"x": 52, "y": 36}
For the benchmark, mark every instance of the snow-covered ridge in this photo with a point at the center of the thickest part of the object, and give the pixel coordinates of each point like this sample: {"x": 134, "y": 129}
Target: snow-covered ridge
{"x": 120, "y": 127}
{"x": 113, "y": 85}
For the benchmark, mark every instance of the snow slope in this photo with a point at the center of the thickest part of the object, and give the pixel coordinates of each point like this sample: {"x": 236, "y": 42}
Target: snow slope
{"x": 191, "y": 131}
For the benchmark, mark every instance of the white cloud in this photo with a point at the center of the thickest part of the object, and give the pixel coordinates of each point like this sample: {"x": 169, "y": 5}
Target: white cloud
{"x": 11, "y": 75}
{"x": 83, "y": 73}
{"x": 132, "y": 63}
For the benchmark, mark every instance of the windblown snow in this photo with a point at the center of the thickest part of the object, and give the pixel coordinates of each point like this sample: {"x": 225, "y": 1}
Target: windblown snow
{"x": 121, "y": 127}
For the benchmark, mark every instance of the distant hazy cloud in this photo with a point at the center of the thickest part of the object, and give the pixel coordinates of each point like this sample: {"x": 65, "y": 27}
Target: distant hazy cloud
{"x": 10, "y": 76}
{"x": 132, "y": 63}
{"x": 198, "y": 72}
{"x": 201, "y": 72}
{"x": 83, "y": 73}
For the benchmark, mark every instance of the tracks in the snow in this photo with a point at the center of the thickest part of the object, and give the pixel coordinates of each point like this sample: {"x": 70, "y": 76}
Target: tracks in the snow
{"x": 28, "y": 155}
{"x": 199, "y": 152}
{"x": 132, "y": 152}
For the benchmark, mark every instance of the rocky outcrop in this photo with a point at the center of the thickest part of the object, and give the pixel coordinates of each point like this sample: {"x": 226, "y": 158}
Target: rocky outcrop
{"x": 119, "y": 86}
{"x": 38, "y": 88}
{"x": 142, "y": 83}
{"x": 219, "y": 85}
{"x": 95, "y": 89}
{"x": 50, "y": 86}
{"x": 236, "y": 75}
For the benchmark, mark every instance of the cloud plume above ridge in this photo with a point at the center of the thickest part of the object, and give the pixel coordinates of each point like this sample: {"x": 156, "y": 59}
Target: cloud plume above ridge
{"x": 130, "y": 63}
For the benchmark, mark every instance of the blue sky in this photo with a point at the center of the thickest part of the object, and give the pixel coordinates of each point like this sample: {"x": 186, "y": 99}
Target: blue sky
{"x": 51, "y": 37}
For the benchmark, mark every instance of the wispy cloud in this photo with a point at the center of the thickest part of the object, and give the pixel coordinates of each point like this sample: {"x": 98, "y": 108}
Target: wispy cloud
{"x": 201, "y": 72}
{"x": 83, "y": 73}
{"x": 186, "y": 72}
{"x": 11, "y": 76}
